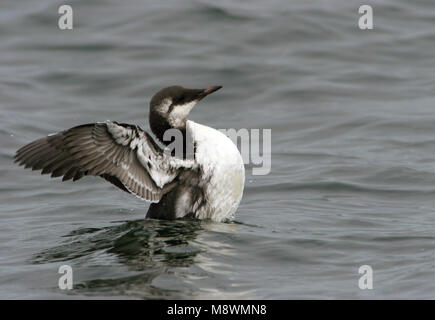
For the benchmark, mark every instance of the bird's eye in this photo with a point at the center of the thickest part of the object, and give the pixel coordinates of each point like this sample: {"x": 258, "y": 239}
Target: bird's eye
{"x": 179, "y": 101}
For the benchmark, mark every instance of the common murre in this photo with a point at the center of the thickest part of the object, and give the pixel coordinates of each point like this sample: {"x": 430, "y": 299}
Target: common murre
{"x": 208, "y": 185}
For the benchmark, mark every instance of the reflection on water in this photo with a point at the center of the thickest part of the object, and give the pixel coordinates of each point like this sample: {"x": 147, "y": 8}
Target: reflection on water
{"x": 152, "y": 252}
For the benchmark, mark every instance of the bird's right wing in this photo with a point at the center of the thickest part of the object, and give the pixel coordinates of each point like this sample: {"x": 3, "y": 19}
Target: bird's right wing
{"x": 123, "y": 154}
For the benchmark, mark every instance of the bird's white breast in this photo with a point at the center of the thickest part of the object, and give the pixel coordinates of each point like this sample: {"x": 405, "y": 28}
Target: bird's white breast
{"x": 222, "y": 166}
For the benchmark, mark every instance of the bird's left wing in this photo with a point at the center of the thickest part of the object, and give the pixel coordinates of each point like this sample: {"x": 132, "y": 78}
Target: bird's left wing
{"x": 123, "y": 154}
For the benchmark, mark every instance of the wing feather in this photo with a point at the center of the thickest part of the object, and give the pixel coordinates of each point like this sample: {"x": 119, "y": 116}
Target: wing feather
{"x": 122, "y": 154}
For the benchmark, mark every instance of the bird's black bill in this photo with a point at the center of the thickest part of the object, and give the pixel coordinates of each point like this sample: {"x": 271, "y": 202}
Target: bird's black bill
{"x": 211, "y": 89}
{"x": 208, "y": 90}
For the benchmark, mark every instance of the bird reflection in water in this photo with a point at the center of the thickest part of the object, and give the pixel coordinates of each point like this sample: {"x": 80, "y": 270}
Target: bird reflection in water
{"x": 147, "y": 249}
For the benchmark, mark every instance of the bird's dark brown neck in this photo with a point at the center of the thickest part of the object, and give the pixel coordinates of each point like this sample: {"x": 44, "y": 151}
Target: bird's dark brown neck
{"x": 160, "y": 124}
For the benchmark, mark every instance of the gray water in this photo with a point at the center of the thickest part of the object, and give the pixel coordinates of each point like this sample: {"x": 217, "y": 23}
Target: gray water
{"x": 353, "y": 139}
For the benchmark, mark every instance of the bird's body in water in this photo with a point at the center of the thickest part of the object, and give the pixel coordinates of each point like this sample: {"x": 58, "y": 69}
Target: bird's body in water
{"x": 206, "y": 184}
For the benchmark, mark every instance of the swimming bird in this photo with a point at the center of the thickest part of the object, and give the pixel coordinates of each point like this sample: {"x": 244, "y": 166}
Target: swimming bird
{"x": 205, "y": 184}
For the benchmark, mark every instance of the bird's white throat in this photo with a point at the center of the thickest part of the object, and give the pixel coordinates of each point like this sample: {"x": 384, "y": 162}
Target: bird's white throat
{"x": 179, "y": 113}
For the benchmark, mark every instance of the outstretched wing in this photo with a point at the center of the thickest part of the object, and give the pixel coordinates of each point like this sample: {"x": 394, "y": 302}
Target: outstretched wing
{"x": 123, "y": 154}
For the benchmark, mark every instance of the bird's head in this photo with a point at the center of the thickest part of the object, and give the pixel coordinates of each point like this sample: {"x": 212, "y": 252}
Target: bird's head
{"x": 173, "y": 104}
